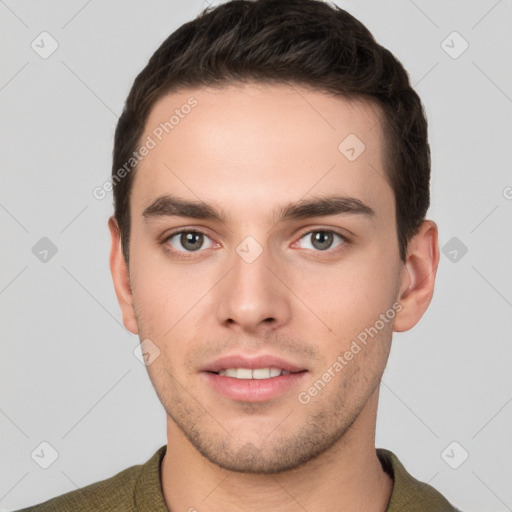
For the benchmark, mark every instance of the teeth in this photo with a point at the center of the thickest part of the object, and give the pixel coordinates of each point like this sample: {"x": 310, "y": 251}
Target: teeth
{"x": 243, "y": 373}
{"x": 261, "y": 373}
{"x": 257, "y": 373}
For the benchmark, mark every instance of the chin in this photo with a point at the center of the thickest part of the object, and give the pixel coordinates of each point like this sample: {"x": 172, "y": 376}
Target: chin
{"x": 269, "y": 456}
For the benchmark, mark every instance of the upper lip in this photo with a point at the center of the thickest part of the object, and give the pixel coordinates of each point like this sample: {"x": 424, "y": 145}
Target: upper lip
{"x": 240, "y": 361}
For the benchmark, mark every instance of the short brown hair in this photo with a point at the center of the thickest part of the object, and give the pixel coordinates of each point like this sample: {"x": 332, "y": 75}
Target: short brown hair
{"x": 304, "y": 42}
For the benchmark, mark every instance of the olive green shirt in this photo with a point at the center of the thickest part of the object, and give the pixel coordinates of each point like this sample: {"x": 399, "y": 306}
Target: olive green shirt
{"x": 138, "y": 489}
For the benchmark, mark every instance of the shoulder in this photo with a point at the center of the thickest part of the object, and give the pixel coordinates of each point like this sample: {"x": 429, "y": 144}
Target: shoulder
{"x": 114, "y": 494}
{"x": 111, "y": 494}
{"x": 409, "y": 493}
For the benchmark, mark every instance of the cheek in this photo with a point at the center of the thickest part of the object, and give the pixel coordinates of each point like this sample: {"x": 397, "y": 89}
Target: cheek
{"x": 153, "y": 302}
{"x": 170, "y": 302}
{"x": 350, "y": 296}
{"x": 163, "y": 292}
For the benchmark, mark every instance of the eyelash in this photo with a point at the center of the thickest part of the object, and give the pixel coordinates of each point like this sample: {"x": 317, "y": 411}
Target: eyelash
{"x": 187, "y": 254}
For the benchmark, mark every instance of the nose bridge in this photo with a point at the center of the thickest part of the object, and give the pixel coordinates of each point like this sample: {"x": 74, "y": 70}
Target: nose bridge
{"x": 251, "y": 294}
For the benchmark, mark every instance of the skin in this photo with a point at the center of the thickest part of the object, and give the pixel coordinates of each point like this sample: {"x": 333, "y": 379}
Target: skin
{"x": 248, "y": 151}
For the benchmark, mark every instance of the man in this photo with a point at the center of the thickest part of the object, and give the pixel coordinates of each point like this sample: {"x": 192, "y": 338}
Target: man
{"x": 271, "y": 181}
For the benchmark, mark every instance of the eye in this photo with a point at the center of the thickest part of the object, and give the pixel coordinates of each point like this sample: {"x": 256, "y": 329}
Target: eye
{"x": 189, "y": 241}
{"x": 321, "y": 240}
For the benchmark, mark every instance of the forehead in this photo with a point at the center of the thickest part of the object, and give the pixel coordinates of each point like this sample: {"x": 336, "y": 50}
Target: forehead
{"x": 258, "y": 144}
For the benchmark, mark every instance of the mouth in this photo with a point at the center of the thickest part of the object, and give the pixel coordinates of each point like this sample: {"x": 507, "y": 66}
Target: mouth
{"x": 259, "y": 379}
{"x": 257, "y": 373}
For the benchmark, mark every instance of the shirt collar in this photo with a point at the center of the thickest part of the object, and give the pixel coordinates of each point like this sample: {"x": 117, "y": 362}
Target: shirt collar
{"x": 408, "y": 493}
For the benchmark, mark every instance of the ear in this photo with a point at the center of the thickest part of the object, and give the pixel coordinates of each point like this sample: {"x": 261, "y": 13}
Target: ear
{"x": 418, "y": 276}
{"x": 121, "y": 278}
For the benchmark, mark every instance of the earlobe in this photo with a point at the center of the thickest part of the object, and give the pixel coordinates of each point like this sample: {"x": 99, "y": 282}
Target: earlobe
{"x": 121, "y": 277}
{"x": 418, "y": 276}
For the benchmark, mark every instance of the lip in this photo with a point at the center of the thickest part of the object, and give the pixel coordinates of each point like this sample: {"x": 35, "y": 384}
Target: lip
{"x": 252, "y": 390}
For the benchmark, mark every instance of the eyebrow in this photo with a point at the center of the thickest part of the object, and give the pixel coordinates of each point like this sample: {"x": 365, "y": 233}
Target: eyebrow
{"x": 169, "y": 206}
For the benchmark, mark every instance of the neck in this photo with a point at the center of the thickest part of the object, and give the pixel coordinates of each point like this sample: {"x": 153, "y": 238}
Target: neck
{"x": 346, "y": 477}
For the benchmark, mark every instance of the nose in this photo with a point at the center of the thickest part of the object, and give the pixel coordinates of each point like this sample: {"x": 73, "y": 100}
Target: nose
{"x": 253, "y": 295}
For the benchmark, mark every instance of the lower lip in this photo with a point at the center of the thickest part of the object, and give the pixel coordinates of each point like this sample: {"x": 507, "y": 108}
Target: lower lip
{"x": 253, "y": 390}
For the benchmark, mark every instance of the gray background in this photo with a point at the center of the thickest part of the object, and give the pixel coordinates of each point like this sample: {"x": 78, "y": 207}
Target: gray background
{"x": 68, "y": 372}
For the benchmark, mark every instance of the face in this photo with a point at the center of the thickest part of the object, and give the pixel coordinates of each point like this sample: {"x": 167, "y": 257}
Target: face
{"x": 263, "y": 247}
